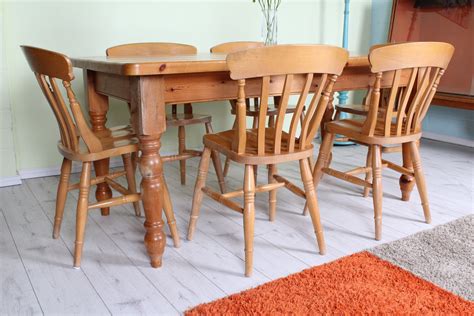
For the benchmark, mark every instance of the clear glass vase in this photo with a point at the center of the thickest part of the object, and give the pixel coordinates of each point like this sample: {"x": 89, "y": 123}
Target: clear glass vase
{"x": 269, "y": 27}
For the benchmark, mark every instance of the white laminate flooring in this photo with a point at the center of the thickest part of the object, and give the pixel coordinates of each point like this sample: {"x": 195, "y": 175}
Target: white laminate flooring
{"x": 36, "y": 275}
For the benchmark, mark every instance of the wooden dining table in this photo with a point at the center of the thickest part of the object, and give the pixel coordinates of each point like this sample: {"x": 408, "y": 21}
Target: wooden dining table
{"x": 148, "y": 84}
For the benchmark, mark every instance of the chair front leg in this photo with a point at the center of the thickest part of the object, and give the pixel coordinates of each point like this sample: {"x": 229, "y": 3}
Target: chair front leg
{"x": 81, "y": 212}
{"x": 377, "y": 190}
{"x": 312, "y": 202}
{"x": 420, "y": 180}
{"x": 249, "y": 217}
{"x": 169, "y": 213}
{"x": 61, "y": 196}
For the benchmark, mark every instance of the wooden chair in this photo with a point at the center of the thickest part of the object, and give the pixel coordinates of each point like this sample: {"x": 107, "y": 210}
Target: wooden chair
{"x": 282, "y": 70}
{"x": 79, "y": 143}
{"x": 175, "y": 119}
{"x": 251, "y": 110}
{"x": 423, "y": 63}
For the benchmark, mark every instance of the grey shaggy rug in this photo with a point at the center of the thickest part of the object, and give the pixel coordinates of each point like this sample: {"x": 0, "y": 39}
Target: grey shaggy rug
{"x": 443, "y": 255}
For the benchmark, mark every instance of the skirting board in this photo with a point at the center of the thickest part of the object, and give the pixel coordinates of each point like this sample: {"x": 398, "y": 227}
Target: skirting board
{"x": 449, "y": 139}
{"x": 53, "y": 171}
{"x": 9, "y": 181}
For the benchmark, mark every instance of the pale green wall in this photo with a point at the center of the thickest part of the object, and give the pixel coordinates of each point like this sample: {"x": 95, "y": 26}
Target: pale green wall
{"x": 7, "y": 149}
{"x": 88, "y": 28}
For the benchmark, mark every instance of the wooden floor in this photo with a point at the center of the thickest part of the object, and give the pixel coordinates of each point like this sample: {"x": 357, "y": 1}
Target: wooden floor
{"x": 36, "y": 271}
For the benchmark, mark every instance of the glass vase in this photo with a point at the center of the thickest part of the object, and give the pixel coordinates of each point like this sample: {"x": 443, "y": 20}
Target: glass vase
{"x": 269, "y": 27}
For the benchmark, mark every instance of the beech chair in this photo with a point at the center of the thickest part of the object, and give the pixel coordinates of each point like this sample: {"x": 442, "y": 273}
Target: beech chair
{"x": 423, "y": 63}
{"x": 79, "y": 143}
{"x": 282, "y": 70}
{"x": 251, "y": 110}
{"x": 175, "y": 119}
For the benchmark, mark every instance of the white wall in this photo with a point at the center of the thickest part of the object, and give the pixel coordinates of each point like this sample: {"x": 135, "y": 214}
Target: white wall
{"x": 80, "y": 28}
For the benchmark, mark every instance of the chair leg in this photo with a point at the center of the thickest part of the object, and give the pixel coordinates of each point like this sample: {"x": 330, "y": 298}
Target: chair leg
{"x": 61, "y": 196}
{"x": 169, "y": 213}
{"x": 81, "y": 212}
{"x": 271, "y": 121}
{"x": 197, "y": 197}
{"x": 181, "y": 150}
{"x": 132, "y": 185}
{"x": 368, "y": 174}
{"x": 420, "y": 180}
{"x": 216, "y": 161}
{"x": 255, "y": 173}
{"x": 249, "y": 217}
{"x": 324, "y": 159}
{"x": 272, "y": 170}
{"x": 377, "y": 191}
{"x": 226, "y": 166}
{"x": 312, "y": 202}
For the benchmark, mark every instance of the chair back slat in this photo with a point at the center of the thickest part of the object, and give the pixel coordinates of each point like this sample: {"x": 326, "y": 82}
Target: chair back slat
{"x": 298, "y": 111}
{"x": 391, "y": 102}
{"x": 401, "y": 115}
{"x": 150, "y": 49}
{"x": 311, "y": 109}
{"x": 281, "y": 113}
{"x": 298, "y": 64}
{"x": 426, "y": 62}
{"x": 67, "y": 139}
{"x": 47, "y": 67}
{"x": 262, "y": 115}
{"x": 321, "y": 109}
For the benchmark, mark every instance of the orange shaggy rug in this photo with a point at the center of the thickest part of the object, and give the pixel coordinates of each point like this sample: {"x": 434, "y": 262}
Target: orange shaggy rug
{"x": 360, "y": 283}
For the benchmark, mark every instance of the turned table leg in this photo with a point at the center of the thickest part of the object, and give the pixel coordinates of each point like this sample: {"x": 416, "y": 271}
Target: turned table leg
{"x": 149, "y": 122}
{"x": 406, "y": 182}
{"x": 151, "y": 169}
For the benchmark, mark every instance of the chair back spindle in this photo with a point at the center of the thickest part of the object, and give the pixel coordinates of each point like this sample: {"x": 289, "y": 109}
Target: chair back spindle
{"x": 311, "y": 69}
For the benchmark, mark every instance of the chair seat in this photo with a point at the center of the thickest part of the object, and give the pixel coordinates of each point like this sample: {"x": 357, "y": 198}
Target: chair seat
{"x": 222, "y": 142}
{"x": 357, "y": 109}
{"x": 115, "y": 141}
{"x": 353, "y": 129}
{"x": 182, "y": 119}
{"x": 272, "y": 110}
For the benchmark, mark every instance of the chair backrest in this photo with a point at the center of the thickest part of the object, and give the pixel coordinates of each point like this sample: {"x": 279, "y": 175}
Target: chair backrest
{"x": 232, "y": 47}
{"x": 151, "y": 49}
{"x": 48, "y": 67}
{"x": 425, "y": 63}
{"x": 304, "y": 68}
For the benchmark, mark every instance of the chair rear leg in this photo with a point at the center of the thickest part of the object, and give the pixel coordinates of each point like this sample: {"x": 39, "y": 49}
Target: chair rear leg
{"x": 130, "y": 174}
{"x": 249, "y": 217}
{"x": 272, "y": 194}
{"x": 169, "y": 213}
{"x": 420, "y": 180}
{"x": 216, "y": 161}
{"x": 61, "y": 196}
{"x": 197, "y": 197}
{"x": 81, "y": 215}
{"x": 181, "y": 150}
{"x": 377, "y": 190}
{"x": 226, "y": 166}
{"x": 368, "y": 174}
{"x": 312, "y": 202}
{"x": 324, "y": 159}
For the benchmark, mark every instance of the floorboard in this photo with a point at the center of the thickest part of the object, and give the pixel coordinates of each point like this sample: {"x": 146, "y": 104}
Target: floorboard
{"x": 116, "y": 277}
